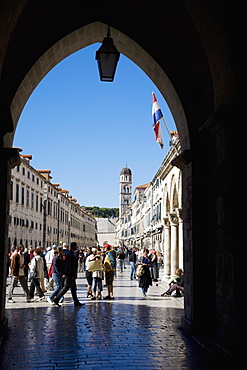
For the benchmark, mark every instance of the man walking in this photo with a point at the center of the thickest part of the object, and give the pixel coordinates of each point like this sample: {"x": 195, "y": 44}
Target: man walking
{"x": 17, "y": 270}
{"x": 132, "y": 259}
{"x": 48, "y": 259}
{"x": 70, "y": 275}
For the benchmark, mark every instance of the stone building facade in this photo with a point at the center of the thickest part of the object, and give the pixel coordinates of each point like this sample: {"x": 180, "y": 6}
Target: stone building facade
{"x": 154, "y": 218}
{"x": 42, "y": 213}
{"x": 106, "y": 231}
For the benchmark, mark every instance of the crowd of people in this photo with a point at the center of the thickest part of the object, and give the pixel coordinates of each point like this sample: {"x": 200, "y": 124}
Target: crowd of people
{"x": 55, "y": 271}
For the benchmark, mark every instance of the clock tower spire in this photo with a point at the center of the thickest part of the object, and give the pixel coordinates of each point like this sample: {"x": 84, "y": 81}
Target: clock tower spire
{"x": 125, "y": 190}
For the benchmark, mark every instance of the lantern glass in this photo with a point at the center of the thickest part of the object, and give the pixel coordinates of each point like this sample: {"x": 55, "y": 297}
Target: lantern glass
{"x": 107, "y": 57}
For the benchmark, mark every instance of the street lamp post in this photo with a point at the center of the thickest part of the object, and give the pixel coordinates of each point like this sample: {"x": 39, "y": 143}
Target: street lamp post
{"x": 58, "y": 218}
{"x": 44, "y": 206}
{"x": 69, "y": 223}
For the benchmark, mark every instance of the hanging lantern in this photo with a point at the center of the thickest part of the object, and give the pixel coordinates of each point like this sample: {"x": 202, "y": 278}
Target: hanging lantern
{"x": 107, "y": 57}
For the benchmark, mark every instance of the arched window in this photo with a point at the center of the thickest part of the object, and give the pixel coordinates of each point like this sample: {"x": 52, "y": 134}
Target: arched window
{"x": 126, "y": 189}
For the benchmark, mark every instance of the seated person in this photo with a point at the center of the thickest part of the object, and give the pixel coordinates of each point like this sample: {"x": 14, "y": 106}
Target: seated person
{"x": 176, "y": 283}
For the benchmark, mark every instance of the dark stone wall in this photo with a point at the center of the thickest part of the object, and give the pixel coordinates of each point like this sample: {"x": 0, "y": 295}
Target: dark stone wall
{"x": 193, "y": 43}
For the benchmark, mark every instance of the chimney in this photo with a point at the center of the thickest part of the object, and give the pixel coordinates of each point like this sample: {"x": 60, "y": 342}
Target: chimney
{"x": 27, "y": 157}
{"x": 45, "y": 174}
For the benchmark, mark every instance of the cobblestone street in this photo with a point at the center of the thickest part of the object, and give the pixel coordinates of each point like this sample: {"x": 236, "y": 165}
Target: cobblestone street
{"x": 129, "y": 332}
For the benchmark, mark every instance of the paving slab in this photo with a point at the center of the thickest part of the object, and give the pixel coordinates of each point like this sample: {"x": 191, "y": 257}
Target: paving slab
{"x": 129, "y": 332}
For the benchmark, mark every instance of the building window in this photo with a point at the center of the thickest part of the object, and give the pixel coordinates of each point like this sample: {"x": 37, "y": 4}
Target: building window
{"x": 49, "y": 208}
{"x": 27, "y": 200}
{"x": 37, "y": 203}
{"x": 11, "y": 190}
{"x": 28, "y": 175}
{"x": 17, "y": 193}
{"x": 23, "y": 171}
{"x": 22, "y": 195}
{"x": 32, "y": 200}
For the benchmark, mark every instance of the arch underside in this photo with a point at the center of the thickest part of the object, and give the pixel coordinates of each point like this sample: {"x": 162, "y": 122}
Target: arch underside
{"x": 82, "y": 38}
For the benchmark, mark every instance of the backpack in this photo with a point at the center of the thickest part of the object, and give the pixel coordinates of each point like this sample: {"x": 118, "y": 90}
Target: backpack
{"x": 112, "y": 258}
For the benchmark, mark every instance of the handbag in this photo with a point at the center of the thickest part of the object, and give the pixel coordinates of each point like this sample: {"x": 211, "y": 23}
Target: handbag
{"x": 140, "y": 270}
{"x": 32, "y": 274}
{"x": 50, "y": 270}
{"x": 94, "y": 265}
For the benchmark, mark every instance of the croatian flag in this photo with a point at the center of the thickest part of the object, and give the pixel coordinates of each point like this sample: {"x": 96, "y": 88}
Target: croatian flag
{"x": 157, "y": 115}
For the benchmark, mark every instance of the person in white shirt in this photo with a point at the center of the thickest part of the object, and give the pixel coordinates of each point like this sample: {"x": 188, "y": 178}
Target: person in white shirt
{"x": 48, "y": 258}
{"x": 37, "y": 264}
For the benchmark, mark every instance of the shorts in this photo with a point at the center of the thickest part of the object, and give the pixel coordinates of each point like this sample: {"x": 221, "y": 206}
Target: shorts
{"x": 109, "y": 277}
{"x": 89, "y": 277}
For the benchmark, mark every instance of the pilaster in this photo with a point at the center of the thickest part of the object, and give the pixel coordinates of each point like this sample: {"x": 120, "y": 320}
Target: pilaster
{"x": 9, "y": 159}
{"x": 167, "y": 249}
{"x": 173, "y": 218}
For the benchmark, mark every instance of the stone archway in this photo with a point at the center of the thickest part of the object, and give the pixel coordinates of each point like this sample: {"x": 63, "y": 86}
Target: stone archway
{"x": 85, "y": 36}
{"x": 192, "y": 43}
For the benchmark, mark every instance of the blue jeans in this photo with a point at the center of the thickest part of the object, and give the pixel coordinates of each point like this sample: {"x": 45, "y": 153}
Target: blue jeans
{"x": 132, "y": 270}
{"x": 35, "y": 284}
{"x": 121, "y": 265}
{"x": 57, "y": 280}
{"x": 97, "y": 282}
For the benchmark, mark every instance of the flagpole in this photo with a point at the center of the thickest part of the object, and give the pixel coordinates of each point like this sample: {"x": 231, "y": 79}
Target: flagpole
{"x": 157, "y": 116}
{"x": 169, "y": 133}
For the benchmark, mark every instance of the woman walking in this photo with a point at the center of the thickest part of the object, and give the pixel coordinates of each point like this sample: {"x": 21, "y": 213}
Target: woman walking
{"x": 154, "y": 266}
{"x": 89, "y": 276}
{"x": 145, "y": 279}
{"x": 120, "y": 258}
{"x": 97, "y": 277}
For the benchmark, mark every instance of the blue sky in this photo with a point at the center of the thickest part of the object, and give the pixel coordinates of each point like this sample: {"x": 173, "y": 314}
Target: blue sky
{"x": 85, "y": 131}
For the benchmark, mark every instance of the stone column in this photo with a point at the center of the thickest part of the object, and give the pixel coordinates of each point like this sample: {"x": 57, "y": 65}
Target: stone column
{"x": 180, "y": 238}
{"x": 167, "y": 250}
{"x": 174, "y": 242}
{"x": 9, "y": 159}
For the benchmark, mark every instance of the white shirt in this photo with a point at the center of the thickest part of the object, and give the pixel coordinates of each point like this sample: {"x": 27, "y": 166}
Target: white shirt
{"x": 49, "y": 256}
{"x": 89, "y": 258}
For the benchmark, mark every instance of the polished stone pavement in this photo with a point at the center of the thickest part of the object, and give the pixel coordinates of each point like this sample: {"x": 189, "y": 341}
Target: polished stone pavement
{"x": 129, "y": 332}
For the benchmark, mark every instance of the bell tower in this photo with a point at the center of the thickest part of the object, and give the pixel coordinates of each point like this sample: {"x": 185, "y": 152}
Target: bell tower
{"x": 125, "y": 191}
